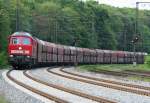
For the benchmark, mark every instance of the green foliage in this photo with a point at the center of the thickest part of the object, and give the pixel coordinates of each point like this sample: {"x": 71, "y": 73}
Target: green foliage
{"x": 140, "y": 68}
{"x": 4, "y": 32}
{"x": 63, "y": 21}
{"x": 147, "y": 60}
{"x": 89, "y": 24}
{"x": 116, "y": 67}
{"x": 3, "y": 60}
{"x": 4, "y": 26}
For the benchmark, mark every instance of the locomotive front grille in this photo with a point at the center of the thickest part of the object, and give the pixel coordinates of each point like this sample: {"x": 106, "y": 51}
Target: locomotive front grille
{"x": 19, "y": 59}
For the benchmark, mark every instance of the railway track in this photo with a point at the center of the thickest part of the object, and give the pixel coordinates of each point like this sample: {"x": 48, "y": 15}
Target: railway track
{"x": 48, "y": 96}
{"x": 140, "y": 72}
{"x": 107, "y": 81}
{"x": 137, "y": 74}
{"x": 84, "y": 95}
{"x": 51, "y": 97}
{"x": 113, "y": 85}
{"x": 124, "y": 73}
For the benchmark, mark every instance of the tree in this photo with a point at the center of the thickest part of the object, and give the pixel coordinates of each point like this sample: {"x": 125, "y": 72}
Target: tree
{"x": 4, "y": 26}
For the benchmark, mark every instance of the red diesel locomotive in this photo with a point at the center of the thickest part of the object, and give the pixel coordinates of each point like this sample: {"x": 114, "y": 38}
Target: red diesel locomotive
{"x": 22, "y": 50}
{"x": 26, "y": 51}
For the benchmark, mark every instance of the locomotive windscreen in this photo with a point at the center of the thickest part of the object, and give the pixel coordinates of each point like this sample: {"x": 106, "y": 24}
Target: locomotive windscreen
{"x": 26, "y": 41}
{"x": 15, "y": 40}
{"x": 20, "y": 40}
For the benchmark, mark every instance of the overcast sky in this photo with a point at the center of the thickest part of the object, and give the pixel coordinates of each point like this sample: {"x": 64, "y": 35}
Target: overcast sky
{"x": 126, "y": 3}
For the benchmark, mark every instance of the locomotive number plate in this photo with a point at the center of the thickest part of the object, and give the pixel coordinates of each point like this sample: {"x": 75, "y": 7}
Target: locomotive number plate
{"x": 20, "y": 51}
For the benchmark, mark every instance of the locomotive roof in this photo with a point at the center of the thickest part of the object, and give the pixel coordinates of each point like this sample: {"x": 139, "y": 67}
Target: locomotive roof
{"x": 21, "y": 34}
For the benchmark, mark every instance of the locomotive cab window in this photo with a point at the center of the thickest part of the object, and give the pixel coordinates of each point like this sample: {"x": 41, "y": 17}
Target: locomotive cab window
{"x": 15, "y": 41}
{"x": 26, "y": 41}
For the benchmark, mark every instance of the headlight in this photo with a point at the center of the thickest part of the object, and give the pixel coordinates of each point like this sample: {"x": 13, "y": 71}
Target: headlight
{"x": 28, "y": 56}
{"x": 11, "y": 56}
{"x": 20, "y": 48}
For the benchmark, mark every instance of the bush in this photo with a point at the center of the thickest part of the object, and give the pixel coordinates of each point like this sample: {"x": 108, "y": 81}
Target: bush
{"x": 147, "y": 60}
{"x": 3, "y": 60}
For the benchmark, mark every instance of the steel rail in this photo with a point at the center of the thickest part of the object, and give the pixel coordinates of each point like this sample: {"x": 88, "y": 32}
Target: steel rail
{"x": 50, "y": 97}
{"x": 137, "y": 74}
{"x": 121, "y": 88}
{"x": 125, "y": 73}
{"x": 107, "y": 81}
{"x": 94, "y": 98}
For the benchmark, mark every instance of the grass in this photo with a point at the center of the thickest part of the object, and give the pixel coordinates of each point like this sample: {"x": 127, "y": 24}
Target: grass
{"x": 3, "y": 100}
{"x": 145, "y": 79}
{"x": 115, "y": 67}
{"x": 3, "y": 60}
{"x": 121, "y": 67}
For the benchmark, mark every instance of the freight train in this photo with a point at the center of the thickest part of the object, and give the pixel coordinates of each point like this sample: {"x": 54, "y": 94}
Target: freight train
{"x": 24, "y": 50}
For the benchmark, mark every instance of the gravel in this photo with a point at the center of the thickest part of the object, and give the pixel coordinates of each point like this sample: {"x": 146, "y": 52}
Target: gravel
{"x": 14, "y": 95}
{"x": 18, "y": 75}
{"x": 107, "y": 77}
{"x": 111, "y": 94}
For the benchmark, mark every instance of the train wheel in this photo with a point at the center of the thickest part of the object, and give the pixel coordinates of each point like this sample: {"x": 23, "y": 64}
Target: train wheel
{"x": 16, "y": 67}
{"x": 29, "y": 66}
